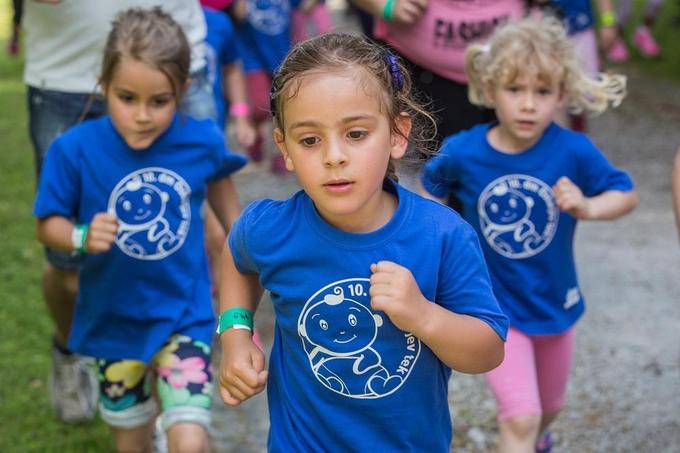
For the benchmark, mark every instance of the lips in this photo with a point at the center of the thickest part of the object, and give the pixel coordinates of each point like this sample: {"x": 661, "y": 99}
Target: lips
{"x": 338, "y": 185}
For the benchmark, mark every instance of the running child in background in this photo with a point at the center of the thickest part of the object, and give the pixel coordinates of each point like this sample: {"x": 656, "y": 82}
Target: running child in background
{"x": 135, "y": 181}
{"x": 264, "y": 34}
{"x": 525, "y": 182}
{"x": 377, "y": 292}
{"x": 225, "y": 70}
{"x": 643, "y": 39}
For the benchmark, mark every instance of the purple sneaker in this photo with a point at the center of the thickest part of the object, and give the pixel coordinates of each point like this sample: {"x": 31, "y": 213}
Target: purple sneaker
{"x": 545, "y": 443}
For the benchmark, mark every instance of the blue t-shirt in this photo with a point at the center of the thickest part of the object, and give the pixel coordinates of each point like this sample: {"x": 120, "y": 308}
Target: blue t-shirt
{"x": 264, "y": 37}
{"x": 221, "y": 50}
{"x": 526, "y": 239}
{"x": 154, "y": 281}
{"x": 578, "y": 14}
{"x": 342, "y": 376}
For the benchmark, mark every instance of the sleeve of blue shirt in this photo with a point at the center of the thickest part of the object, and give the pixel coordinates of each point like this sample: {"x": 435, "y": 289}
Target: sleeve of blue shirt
{"x": 226, "y": 161}
{"x": 238, "y": 239}
{"x": 58, "y": 189}
{"x": 465, "y": 284}
{"x": 439, "y": 175}
{"x": 597, "y": 174}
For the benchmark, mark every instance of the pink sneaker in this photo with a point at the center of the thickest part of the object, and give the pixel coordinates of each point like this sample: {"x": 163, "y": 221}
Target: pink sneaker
{"x": 617, "y": 53}
{"x": 645, "y": 42}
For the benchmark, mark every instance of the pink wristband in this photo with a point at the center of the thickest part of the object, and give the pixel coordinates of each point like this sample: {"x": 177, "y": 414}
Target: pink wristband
{"x": 239, "y": 109}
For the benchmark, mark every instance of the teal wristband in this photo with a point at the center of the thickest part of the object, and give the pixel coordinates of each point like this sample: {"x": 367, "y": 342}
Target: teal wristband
{"x": 235, "y": 318}
{"x": 388, "y": 9}
{"x": 79, "y": 236}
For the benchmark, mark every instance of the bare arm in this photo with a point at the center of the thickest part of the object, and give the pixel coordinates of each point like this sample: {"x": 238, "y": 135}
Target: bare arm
{"x": 462, "y": 342}
{"x": 242, "y": 367}
{"x": 235, "y": 89}
{"x": 55, "y": 232}
{"x": 608, "y": 205}
{"x": 223, "y": 199}
{"x": 404, "y": 12}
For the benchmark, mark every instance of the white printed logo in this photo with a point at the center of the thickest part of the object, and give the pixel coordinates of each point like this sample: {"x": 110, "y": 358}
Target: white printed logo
{"x": 153, "y": 212}
{"x": 351, "y": 350}
{"x": 517, "y": 215}
{"x": 268, "y": 16}
{"x": 573, "y": 297}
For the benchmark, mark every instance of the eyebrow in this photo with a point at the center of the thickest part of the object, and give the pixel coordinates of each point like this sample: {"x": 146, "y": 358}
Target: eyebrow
{"x": 311, "y": 123}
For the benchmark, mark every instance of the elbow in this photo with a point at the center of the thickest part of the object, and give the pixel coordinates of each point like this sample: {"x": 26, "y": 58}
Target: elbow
{"x": 40, "y": 231}
{"x": 632, "y": 201}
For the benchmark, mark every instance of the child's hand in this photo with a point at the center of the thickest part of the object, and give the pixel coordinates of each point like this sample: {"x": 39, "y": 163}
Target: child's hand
{"x": 395, "y": 291}
{"x": 570, "y": 198}
{"x": 245, "y": 132}
{"x": 102, "y": 233}
{"x": 242, "y": 372}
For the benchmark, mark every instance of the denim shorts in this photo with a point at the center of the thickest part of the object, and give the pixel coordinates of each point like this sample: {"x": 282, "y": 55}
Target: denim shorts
{"x": 199, "y": 101}
{"x": 50, "y": 114}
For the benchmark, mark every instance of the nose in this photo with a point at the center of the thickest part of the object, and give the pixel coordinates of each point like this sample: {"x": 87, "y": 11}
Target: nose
{"x": 528, "y": 102}
{"x": 334, "y": 155}
{"x": 142, "y": 114}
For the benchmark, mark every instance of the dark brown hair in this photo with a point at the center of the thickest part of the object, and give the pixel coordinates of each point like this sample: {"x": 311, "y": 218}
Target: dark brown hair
{"x": 344, "y": 52}
{"x": 152, "y": 37}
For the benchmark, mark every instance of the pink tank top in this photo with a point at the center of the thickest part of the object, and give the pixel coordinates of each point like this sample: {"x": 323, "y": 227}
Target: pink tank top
{"x": 437, "y": 41}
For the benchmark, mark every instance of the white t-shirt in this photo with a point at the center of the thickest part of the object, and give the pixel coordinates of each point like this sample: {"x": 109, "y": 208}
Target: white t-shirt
{"x": 64, "y": 42}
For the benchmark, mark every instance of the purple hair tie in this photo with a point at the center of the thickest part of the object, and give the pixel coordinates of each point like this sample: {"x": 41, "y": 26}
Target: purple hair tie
{"x": 395, "y": 72}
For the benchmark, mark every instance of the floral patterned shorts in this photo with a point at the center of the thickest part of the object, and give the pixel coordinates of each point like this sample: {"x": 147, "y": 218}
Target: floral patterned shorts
{"x": 183, "y": 381}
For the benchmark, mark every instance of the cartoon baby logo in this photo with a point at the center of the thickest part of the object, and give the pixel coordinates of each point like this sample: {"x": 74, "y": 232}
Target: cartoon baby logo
{"x": 351, "y": 349}
{"x": 268, "y": 16}
{"x": 152, "y": 208}
{"x": 517, "y": 215}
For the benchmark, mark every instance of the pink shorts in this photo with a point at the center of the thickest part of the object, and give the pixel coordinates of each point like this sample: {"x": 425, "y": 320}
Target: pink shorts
{"x": 258, "y": 84}
{"x": 532, "y": 379}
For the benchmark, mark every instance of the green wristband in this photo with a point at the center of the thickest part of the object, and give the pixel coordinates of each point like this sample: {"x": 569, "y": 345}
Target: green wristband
{"x": 235, "y": 318}
{"x": 608, "y": 19}
{"x": 79, "y": 237}
{"x": 388, "y": 9}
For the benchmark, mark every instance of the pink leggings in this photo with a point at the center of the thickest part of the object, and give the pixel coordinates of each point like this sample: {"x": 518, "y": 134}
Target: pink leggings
{"x": 532, "y": 379}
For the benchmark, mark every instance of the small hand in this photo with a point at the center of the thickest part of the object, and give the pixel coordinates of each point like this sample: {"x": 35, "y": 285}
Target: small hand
{"x": 407, "y": 12}
{"x": 242, "y": 373}
{"x": 245, "y": 132}
{"x": 101, "y": 233}
{"x": 570, "y": 198}
{"x": 395, "y": 291}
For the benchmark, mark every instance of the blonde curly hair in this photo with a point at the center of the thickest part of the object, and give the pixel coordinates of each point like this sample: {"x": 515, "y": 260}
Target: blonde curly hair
{"x": 539, "y": 47}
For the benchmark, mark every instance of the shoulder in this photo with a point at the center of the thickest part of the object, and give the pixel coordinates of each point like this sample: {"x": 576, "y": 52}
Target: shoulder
{"x": 83, "y": 133}
{"x": 439, "y": 218}
{"x": 458, "y": 141}
{"x": 577, "y": 144}
{"x": 273, "y": 215}
{"x": 194, "y": 130}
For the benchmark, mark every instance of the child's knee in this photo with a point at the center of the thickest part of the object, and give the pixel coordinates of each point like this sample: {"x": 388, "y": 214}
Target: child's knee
{"x": 522, "y": 427}
{"x": 189, "y": 438}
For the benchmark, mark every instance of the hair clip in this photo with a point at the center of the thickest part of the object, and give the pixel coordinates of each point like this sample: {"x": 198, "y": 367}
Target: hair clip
{"x": 395, "y": 72}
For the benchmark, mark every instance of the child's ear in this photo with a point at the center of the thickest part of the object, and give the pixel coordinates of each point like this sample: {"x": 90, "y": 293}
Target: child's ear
{"x": 281, "y": 145}
{"x": 399, "y": 139}
{"x": 489, "y": 93}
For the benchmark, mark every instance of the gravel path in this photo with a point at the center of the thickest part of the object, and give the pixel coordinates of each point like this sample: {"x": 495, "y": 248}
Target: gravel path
{"x": 624, "y": 393}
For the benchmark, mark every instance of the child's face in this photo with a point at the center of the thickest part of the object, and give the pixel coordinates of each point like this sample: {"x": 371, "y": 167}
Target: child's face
{"x": 525, "y": 106}
{"x": 338, "y": 141}
{"x": 141, "y": 102}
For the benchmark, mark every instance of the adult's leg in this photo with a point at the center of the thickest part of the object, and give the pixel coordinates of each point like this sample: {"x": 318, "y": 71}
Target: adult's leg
{"x": 73, "y": 389}
{"x": 515, "y": 387}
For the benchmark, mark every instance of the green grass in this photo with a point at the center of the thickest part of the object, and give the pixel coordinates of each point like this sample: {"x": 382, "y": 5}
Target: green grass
{"x": 28, "y": 424}
{"x": 667, "y": 32}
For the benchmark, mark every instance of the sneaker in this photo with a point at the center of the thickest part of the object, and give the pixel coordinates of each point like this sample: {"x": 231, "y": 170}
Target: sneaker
{"x": 160, "y": 438}
{"x": 645, "y": 42}
{"x": 545, "y": 443}
{"x": 73, "y": 387}
{"x": 617, "y": 53}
